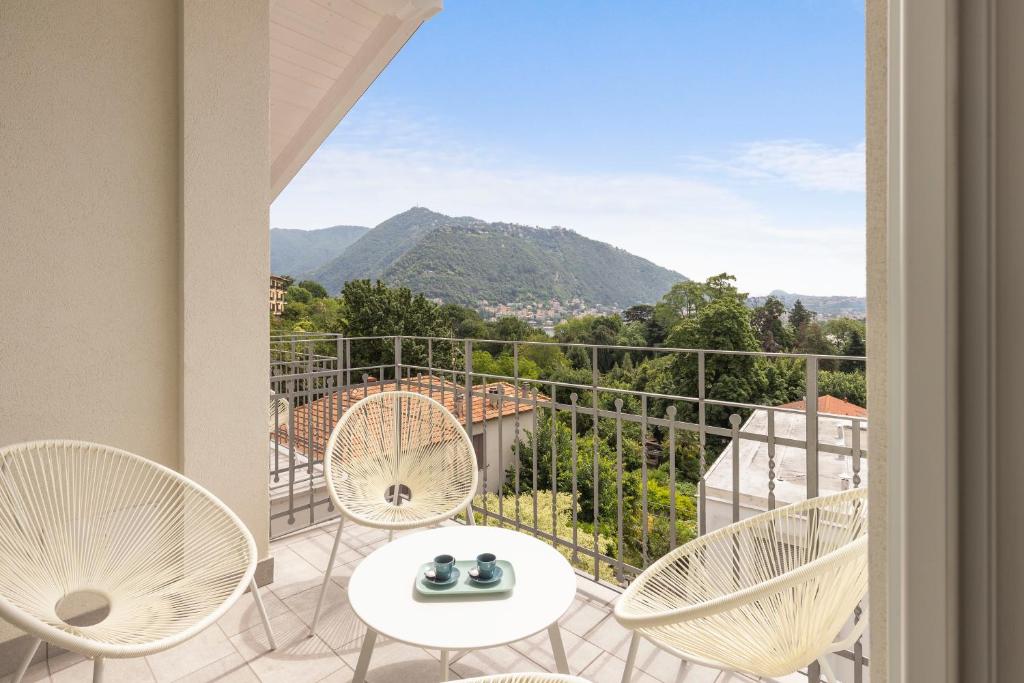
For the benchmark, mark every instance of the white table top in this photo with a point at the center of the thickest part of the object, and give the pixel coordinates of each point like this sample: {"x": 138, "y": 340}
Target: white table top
{"x": 383, "y": 596}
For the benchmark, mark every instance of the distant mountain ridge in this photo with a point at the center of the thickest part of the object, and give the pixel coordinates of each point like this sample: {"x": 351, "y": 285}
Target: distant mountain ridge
{"x": 466, "y": 260}
{"x": 824, "y": 306}
{"x": 298, "y": 252}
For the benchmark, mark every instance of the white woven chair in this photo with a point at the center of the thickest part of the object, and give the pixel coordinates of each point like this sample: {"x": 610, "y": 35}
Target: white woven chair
{"x": 765, "y": 596}
{"x": 277, "y": 413}
{"x": 397, "y": 460}
{"x": 153, "y": 557}
{"x": 530, "y": 677}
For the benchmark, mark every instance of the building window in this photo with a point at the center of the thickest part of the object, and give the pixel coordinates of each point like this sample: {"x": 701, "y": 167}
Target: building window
{"x": 478, "y": 448}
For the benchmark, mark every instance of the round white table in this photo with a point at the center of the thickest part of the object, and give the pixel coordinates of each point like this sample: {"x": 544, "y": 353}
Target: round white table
{"x": 383, "y": 596}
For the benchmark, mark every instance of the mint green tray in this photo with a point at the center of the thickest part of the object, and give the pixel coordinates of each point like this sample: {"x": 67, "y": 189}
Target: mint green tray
{"x": 465, "y": 585}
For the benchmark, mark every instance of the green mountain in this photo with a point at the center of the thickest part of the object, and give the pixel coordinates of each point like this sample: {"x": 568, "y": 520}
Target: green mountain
{"x": 297, "y": 252}
{"x": 465, "y": 260}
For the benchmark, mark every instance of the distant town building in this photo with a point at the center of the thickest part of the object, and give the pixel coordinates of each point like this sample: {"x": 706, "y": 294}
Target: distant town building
{"x": 278, "y": 286}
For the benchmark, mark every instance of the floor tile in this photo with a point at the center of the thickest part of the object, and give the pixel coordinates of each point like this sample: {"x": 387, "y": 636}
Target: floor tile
{"x": 231, "y": 669}
{"x": 317, "y": 550}
{"x": 583, "y": 615}
{"x": 243, "y": 615}
{"x": 578, "y": 651}
{"x": 394, "y": 662}
{"x": 608, "y": 669}
{"x": 493, "y": 660}
{"x": 37, "y": 673}
{"x": 587, "y": 588}
{"x": 134, "y": 670}
{"x": 338, "y": 624}
{"x": 298, "y": 657}
{"x": 292, "y": 574}
{"x": 191, "y": 656}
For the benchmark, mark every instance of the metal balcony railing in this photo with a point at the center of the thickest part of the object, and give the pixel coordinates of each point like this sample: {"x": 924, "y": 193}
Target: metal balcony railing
{"x": 614, "y": 476}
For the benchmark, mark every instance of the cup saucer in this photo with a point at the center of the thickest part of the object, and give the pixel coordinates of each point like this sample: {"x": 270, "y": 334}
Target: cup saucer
{"x": 450, "y": 580}
{"x": 495, "y": 577}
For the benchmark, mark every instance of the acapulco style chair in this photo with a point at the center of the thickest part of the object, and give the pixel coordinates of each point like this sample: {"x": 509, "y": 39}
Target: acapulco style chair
{"x": 397, "y": 460}
{"x": 150, "y": 555}
{"x": 765, "y": 596}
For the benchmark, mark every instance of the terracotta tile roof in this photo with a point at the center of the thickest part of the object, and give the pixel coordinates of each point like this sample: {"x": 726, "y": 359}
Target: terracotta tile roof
{"x": 830, "y": 405}
{"x": 324, "y": 413}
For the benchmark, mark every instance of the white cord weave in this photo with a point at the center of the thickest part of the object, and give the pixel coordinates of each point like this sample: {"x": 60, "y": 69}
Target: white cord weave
{"x": 168, "y": 556}
{"x": 531, "y": 677}
{"x": 765, "y": 596}
{"x": 400, "y": 438}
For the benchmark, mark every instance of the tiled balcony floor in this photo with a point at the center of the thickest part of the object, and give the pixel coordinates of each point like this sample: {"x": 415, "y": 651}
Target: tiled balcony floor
{"x": 235, "y": 648}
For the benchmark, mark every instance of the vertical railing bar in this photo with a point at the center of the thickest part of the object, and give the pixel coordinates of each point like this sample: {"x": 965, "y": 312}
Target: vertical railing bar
{"x": 811, "y": 384}
{"x": 310, "y": 419}
{"x": 533, "y": 401}
{"x": 515, "y": 440}
{"x": 501, "y": 451}
{"x": 702, "y": 506}
{"x": 596, "y": 464}
{"x": 734, "y": 424}
{"x": 554, "y": 467}
{"x": 643, "y": 482}
{"x": 620, "y": 574}
{"x": 573, "y": 397}
{"x": 670, "y": 412}
{"x": 467, "y": 405}
{"x": 811, "y": 447}
{"x": 771, "y": 459}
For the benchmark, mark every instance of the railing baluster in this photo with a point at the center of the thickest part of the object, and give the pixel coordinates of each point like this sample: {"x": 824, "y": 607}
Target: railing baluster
{"x": 515, "y": 441}
{"x": 620, "y": 573}
{"x": 573, "y": 398}
{"x": 734, "y": 424}
{"x": 595, "y": 434}
{"x": 702, "y": 501}
{"x": 643, "y": 483}
{"x": 670, "y": 412}
{"x": 534, "y": 435}
{"x": 771, "y": 459}
{"x": 554, "y": 468}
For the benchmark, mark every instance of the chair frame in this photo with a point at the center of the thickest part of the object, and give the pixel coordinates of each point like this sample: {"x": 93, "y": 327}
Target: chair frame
{"x": 99, "y": 651}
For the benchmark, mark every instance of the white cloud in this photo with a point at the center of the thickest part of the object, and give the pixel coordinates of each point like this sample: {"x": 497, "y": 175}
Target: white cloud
{"x": 685, "y": 222}
{"x": 801, "y": 163}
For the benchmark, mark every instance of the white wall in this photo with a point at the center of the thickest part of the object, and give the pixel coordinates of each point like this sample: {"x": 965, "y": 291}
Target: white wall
{"x": 133, "y": 235}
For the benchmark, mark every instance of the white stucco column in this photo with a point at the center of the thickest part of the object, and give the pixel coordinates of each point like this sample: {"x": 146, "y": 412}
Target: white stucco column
{"x": 225, "y": 270}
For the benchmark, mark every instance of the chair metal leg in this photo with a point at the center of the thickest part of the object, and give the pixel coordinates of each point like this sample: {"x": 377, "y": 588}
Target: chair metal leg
{"x": 327, "y": 578}
{"x": 391, "y": 535}
{"x": 470, "y": 520}
{"x": 364, "y": 657}
{"x": 826, "y": 670}
{"x": 558, "y": 649}
{"x": 444, "y": 665}
{"x": 634, "y": 645}
{"x": 97, "y": 670}
{"x": 254, "y": 589}
{"x": 27, "y": 662}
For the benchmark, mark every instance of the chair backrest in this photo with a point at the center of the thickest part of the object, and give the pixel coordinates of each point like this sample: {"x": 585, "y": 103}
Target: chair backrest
{"x": 398, "y": 439}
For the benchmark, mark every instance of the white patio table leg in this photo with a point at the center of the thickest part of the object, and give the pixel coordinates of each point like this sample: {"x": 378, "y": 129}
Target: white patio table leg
{"x": 364, "y": 656}
{"x": 263, "y": 613}
{"x": 561, "y": 662}
{"x": 444, "y": 665}
{"x": 97, "y": 670}
{"x": 27, "y": 662}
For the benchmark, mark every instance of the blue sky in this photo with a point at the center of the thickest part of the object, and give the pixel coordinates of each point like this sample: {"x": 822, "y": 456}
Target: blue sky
{"x": 707, "y": 136}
